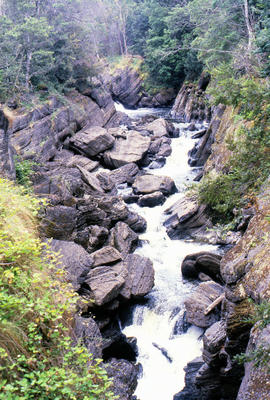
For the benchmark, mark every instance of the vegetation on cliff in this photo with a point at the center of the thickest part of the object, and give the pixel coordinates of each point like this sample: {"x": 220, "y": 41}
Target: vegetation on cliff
{"x": 39, "y": 357}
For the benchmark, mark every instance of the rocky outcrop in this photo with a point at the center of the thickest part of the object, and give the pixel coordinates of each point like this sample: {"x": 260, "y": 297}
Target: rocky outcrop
{"x": 191, "y": 105}
{"x": 126, "y": 86}
{"x": 255, "y": 384}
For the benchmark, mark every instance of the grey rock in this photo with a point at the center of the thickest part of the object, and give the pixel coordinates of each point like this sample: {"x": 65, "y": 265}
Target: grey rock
{"x": 105, "y": 282}
{"x": 152, "y": 199}
{"x": 74, "y": 259}
{"x": 197, "y": 303}
{"x": 123, "y": 238}
{"x": 59, "y": 222}
{"x": 146, "y": 184}
{"x": 127, "y": 150}
{"x": 106, "y": 255}
{"x": 213, "y": 341}
{"x": 87, "y": 332}
{"x": 124, "y": 374}
{"x": 92, "y": 141}
{"x": 140, "y": 278}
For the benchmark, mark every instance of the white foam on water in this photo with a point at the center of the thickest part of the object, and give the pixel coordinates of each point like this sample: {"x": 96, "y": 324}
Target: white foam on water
{"x": 163, "y": 351}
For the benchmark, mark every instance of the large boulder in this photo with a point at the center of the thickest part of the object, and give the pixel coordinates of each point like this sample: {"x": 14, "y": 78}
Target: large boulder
{"x": 105, "y": 282}
{"x": 127, "y": 150}
{"x": 151, "y": 200}
{"x": 123, "y": 238}
{"x": 92, "y": 141}
{"x": 198, "y": 302}
{"x": 59, "y": 222}
{"x": 213, "y": 342}
{"x": 188, "y": 218}
{"x": 74, "y": 259}
{"x": 146, "y": 184}
{"x": 160, "y": 127}
{"x": 86, "y": 331}
{"x": 124, "y": 374}
{"x": 140, "y": 278}
{"x": 206, "y": 262}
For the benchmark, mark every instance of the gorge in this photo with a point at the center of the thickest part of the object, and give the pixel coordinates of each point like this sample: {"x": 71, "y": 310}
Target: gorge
{"x": 134, "y": 200}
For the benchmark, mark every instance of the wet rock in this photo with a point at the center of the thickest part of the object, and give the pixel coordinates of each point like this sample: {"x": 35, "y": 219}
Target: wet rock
{"x": 127, "y": 150}
{"x": 151, "y": 200}
{"x": 197, "y": 304}
{"x": 59, "y": 222}
{"x": 106, "y": 255}
{"x": 123, "y": 238}
{"x": 190, "y": 391}
{"x": 92, "y": 141}
{"x": 124, "y": 374}
{"x": 186, "y": 217}
{"x": 140, "y": 278}
{"x": 136, "y": 222}
{"x": 160, "y": 127}
{"x": 181, "y": 325}
{"x": 206, "y": 262}
{"x": 146, "y": 184}
{"x": 86, "y": 332}
{"x": 74, "y": 259}
{"x": 213, "y": 341}
{"x": 164, "y": 352}
{"x": 105, "y": 282}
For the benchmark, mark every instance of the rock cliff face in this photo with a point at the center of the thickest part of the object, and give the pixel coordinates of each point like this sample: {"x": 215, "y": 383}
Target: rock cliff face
{"x": 243, "y": 271}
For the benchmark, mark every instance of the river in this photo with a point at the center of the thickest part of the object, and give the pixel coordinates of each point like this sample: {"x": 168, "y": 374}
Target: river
{"x": 164, "y": 350}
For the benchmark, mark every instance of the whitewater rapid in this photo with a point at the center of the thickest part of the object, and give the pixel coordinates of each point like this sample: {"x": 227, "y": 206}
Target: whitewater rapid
{"x": 164, "y": 350}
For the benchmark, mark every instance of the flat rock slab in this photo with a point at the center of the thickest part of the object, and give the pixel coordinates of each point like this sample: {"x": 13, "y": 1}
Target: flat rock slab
{"x": 140, "y": 278}
{"x": 92, "y": 141}
{"x": 106, "y": 255}
{"x": 147, "y": 184}
{"x": 105, "y": 282}
{"x": 197, "y": 304}
{"x": 127, "y": 150}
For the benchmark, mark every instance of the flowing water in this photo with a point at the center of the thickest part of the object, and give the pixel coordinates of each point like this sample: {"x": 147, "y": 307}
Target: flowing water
{"x": 164, "y": 350}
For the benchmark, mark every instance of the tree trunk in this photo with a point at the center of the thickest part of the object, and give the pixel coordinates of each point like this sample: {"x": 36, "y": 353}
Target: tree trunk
{"x": 249, "y": 27}
{"x": 28, "y": 68}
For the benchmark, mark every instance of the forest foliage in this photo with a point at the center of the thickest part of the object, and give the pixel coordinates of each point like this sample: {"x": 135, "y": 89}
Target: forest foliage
{"x": 41, "y": 40}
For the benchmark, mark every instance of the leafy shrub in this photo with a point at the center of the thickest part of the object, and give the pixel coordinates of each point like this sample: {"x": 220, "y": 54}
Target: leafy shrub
{"x": 38, "y": 356}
